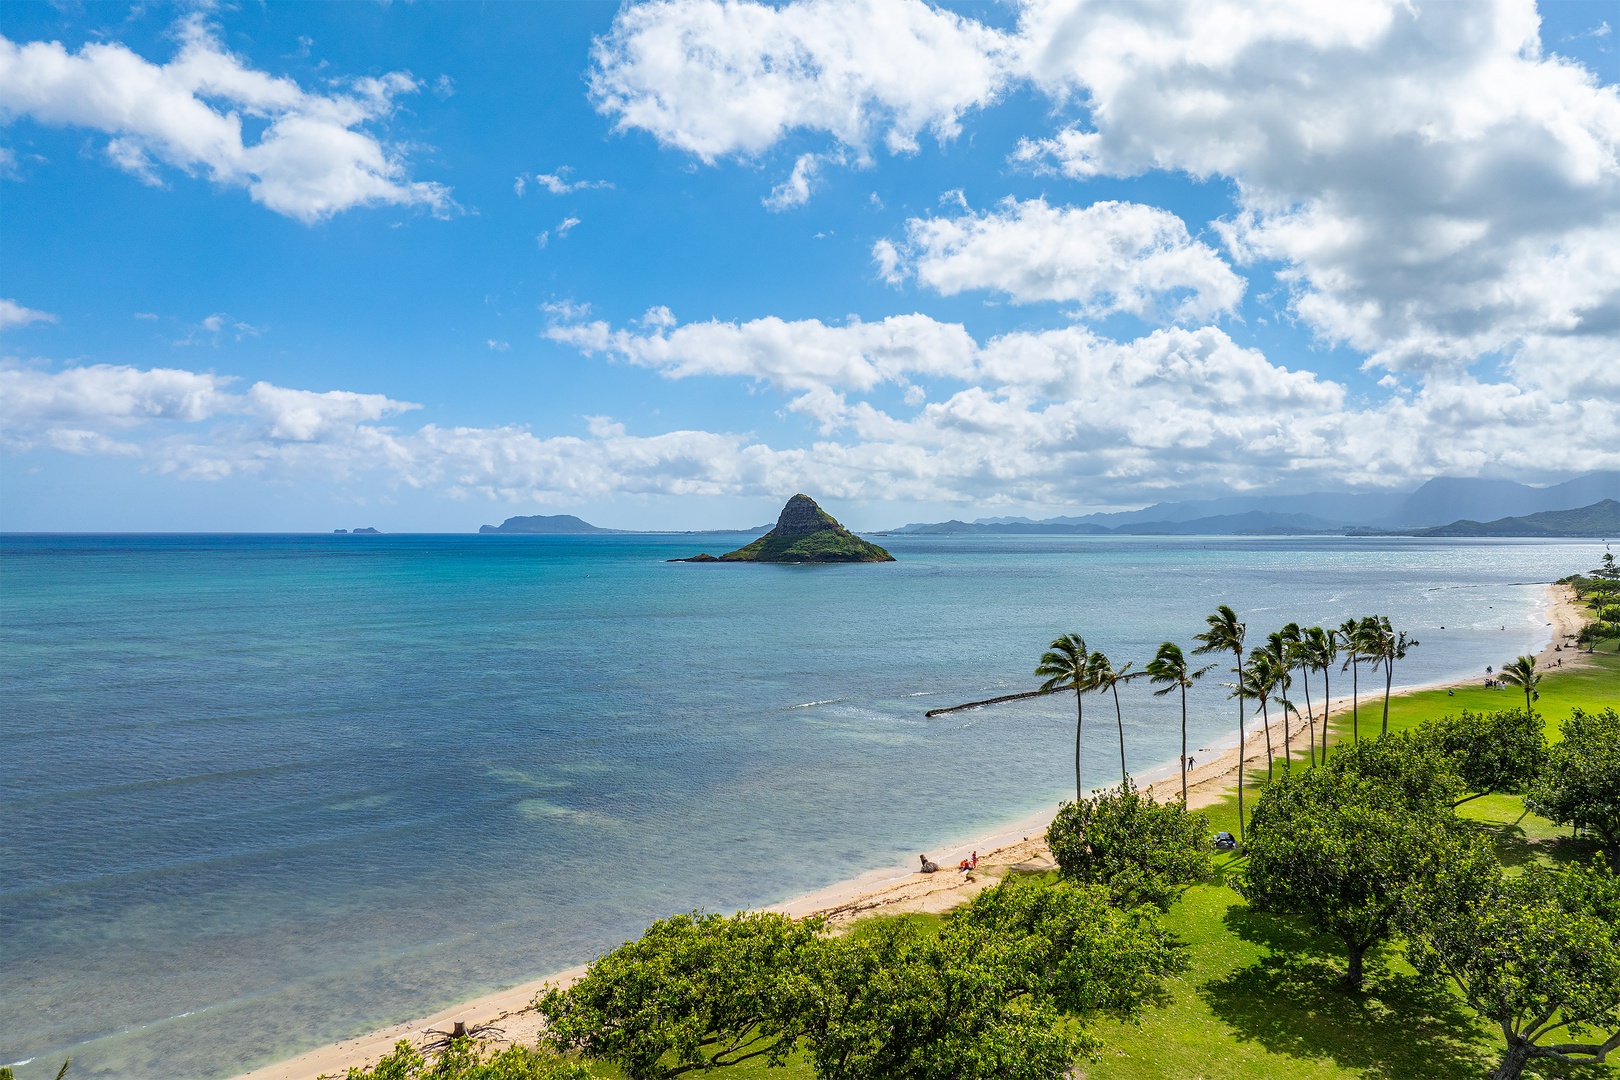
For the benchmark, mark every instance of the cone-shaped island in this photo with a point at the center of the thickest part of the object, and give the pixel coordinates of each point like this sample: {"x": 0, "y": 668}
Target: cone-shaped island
{"x": 804, "y": 533}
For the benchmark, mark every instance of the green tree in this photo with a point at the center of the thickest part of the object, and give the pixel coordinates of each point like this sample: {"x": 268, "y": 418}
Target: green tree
{"x": 1142, "y": 851}
{"x": 985, "y": 997}
{"x": 1065, "y": 666}
{"x": 1537, "y": 955}
{"x": 1580, "y": 786}
{"x": 694, "y": 992}
{"x": 1499, "y": 752}
{"x": 1265, "y": 679}
{"x": 1389, "y": 646}
{"x": 1352, "y": 638}
{"x": 1322, "y": 647}
{"x": 465, "y": 1060}
{"x": 1168, "y": 669}
{"x": 1341, "y": 846}
{"x": 1523, "y": 674}
{"x": 1105, "y": 677}
{"x": 1225, "y": 634}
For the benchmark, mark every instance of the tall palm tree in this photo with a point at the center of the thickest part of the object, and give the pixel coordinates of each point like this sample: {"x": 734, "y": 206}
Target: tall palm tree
{"x": 1225, "y": 634}
{"x": 1522, "y": 673}
{"x": 1168, "y": 668}
{"x": 1299, "y": 655}
{"x": 1263, "y": 681}
{"x": 1351, "y": 638}
{"x": 1065, "y": 667}
{"x": 1392, "y": 646}
{"x": 1324, "y": 650}
{"x": 1105, "y": 677}
{"x": 1276, "y": 647}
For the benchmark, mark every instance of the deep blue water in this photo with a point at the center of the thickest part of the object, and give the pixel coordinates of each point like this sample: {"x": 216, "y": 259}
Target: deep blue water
{"x": 261, "y": 793}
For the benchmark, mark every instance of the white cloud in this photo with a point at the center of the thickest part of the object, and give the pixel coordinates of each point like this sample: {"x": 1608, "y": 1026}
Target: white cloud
{"x": 558, "y": 183}
{"x": 313, "y": 159}
{"x": 795, "y": 190}
{"x": 517, "y": 187}
{"x": 14, "y": 314}
{"x": 1436, "y": 187}
{"x": 731, "y": 77}
{"x": 1107, "y": 257}
{"x": 564, "y": 226}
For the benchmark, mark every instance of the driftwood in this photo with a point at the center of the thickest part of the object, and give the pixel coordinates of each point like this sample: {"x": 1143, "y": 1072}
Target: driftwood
{"x": 990, "y": 701}
{"x": 928, "y": 865}
{"x": 478, "y": 1032}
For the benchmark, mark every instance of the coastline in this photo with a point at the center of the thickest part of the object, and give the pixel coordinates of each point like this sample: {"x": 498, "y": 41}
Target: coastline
{"x": 893, "y": 890}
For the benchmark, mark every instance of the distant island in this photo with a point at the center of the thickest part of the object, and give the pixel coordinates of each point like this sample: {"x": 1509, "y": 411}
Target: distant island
{"x": 804, "y": 533}
{"x": 357, "y": 532}
{"x": 549, "y": 525}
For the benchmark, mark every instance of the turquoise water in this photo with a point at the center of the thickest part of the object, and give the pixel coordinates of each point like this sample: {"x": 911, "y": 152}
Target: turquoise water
{"x": 261, "y": 793}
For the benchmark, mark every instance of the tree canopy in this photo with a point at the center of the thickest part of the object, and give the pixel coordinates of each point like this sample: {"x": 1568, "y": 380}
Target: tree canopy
{"x": 1490, "y": 752}
{"x": 1141, "y": 850}
{"x": 1581, "y": 784}
{"x": 1537, "y": 955}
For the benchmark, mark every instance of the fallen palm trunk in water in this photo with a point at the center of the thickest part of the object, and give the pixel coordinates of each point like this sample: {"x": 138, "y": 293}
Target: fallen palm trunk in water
{"x": 989, "y": 701}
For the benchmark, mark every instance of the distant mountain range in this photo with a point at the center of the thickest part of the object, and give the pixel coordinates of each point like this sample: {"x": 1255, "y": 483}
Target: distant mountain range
{"x": 1440, "y": 502}
{"x": 1601, "y": 520}
{"x": 569, "y": 525}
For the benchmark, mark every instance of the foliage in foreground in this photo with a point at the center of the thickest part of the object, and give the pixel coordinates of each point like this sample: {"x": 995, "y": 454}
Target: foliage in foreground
{"x": 1343, "y": 844}
{"x": 462, "y": 1060}
{"x": 1581, "y": 784}
{"x": 1141, "y": 850}
{"x": 1002, "y": 991}
{"x": 1537, "y": 955}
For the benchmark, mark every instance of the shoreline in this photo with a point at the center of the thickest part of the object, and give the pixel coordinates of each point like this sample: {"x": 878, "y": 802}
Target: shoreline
{"x": 1020, "y": 844}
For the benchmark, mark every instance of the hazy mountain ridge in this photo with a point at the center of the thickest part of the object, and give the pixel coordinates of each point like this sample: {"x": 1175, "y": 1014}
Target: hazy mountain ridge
{"x": 1439, "y": 502}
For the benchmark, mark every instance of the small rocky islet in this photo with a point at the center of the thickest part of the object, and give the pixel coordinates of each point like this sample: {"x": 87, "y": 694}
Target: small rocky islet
{"x": 804, "y": 533}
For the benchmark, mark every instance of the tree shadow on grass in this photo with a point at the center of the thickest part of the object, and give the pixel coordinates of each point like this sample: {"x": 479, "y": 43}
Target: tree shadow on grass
{"x": 1294, "y": 1002}
{"x": 1514, "y": 847}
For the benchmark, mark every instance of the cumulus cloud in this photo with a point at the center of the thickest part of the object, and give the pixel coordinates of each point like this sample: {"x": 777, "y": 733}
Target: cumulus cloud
{"x": 796, "y": 189}
{"x": 1436, "y": 187}
{"x": 14, "y": 314}
{"x": 314, "y": 157}
{"x": 1107, "y": 257}
{"x": 730, "y": 77}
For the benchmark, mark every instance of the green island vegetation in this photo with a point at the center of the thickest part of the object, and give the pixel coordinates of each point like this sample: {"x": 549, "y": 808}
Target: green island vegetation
{"x": 804, "y": 533}
{"x": 1427, "y": 892}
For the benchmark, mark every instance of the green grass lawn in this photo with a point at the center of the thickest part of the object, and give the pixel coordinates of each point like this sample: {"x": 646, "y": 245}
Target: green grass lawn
{"x": 1263, "y": 996}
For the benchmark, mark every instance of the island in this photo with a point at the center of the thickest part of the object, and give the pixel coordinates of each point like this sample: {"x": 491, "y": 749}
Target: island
{"x": 545, "y": 525}
{"x": 804, "y": 533}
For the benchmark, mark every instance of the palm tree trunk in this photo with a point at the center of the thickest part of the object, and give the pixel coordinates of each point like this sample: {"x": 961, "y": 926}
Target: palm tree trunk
{"x": 1079, "y": 722}
{"x": 1120, "y": 720}
{"x": 1265, "y": 719}
{"x": 1288, "y": 744}
{"x": 1183, "y": 744}
{"x": 1389, "y": 679}
{"x": 1240, "y": 745}
{"x": 1355, "y": 701}
{"x": 1310, "y": 713}
{"x": 1527, "y": 711}
{"x": 1327, "y": 706}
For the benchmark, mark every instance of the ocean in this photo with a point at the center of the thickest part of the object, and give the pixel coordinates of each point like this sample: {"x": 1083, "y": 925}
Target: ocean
{"x": 264, "y": 792}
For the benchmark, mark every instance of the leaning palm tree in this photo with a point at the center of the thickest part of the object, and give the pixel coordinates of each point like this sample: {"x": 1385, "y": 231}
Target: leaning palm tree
{"x": 1352, "y": 638}
{"x": 1277, "y": 648}
{"x": 1064, "y": 666}
{"x": 1392, "y": 646}
{"x": 1262, "y": 681}
{"x": 1225, "y": 634}
{"x": 1168, "y": 668}
{"x": 1104, "y": 676}
{"x": 1324, "y": 650}
{"x": 1523, "y": 674}
{"x": 1300, "y": 656}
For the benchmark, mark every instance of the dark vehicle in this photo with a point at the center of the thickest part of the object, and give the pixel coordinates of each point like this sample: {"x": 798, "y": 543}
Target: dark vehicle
{"x": 1225, "y": 842}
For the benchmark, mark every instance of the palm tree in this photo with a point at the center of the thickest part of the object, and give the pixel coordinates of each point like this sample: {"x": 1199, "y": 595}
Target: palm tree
{"x": 1065, "y": 668}
{"x": 1225, "y": 634}
{"x": 1277, "y": 648}
{"x": 1299, "y": 655}
{"x": 1168, "y": 668}
{"x": 1104, "y": 677}
{"x": 1522, "y": 673}
{"x": 1352, "y": 637}
{"x": 1266, "y": 677}
{"x": 1391, "y": 646}
{"x": 1324, "y": 650}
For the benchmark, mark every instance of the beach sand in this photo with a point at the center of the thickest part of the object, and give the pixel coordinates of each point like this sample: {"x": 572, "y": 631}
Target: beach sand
{"x": 897, "y": 890}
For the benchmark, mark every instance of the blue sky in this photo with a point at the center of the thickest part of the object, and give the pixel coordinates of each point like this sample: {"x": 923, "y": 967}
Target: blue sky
{"x": 425, "y": 266}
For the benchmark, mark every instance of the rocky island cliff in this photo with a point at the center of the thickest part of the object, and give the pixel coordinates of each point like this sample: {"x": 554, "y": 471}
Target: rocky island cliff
{"x": 804, "y": 533}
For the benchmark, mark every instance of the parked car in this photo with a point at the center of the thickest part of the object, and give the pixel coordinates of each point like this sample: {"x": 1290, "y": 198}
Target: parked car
{"x": 1225, "y": 842}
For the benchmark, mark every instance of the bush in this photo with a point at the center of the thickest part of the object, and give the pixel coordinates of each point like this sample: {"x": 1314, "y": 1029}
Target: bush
{"x": 1142, "y": 851}
{"x": 463, "y": 1060}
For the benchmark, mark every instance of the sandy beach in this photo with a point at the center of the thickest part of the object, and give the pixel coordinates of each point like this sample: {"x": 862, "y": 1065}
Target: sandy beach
{"x": 893, "y": 890}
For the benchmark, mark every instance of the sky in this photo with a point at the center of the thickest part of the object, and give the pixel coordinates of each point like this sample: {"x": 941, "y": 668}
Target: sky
{"x": 423, "y": 266}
